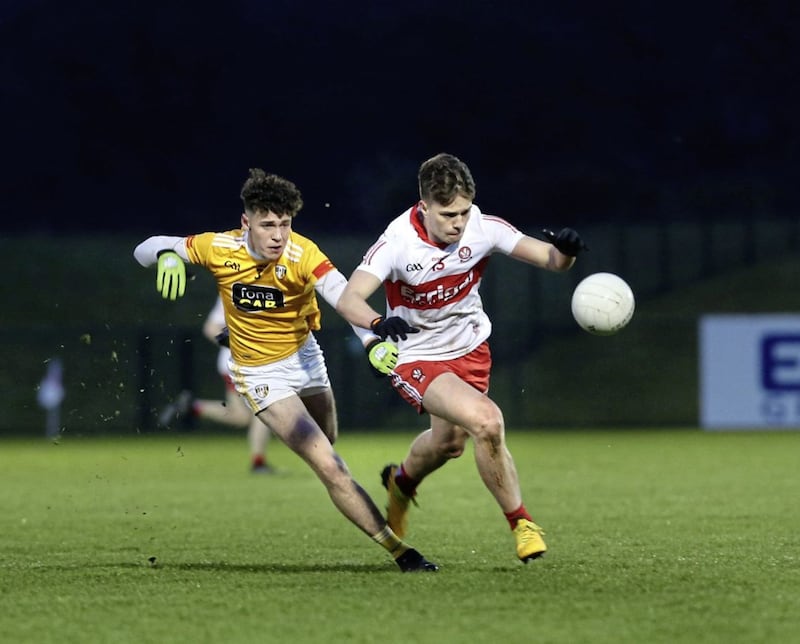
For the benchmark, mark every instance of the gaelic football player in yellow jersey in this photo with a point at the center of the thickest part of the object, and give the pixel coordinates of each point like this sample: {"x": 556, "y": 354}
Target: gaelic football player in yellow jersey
{"x": 268, "y": 277}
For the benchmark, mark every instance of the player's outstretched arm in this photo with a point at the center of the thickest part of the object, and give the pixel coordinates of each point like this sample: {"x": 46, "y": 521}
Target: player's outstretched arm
{"x": 330, "y": 288}
{"x": 169, "y": 253}
{"x": 566, "y": 241}
{"x": 354, "y": 308}
{"x": 353, "y": 305}
{"x": 556, "y": 253}
{"x": 147, "y": 252}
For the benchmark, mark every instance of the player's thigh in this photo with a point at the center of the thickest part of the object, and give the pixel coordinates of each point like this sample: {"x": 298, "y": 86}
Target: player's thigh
{"x": 289, "y": 419}
{"x": 322, "y": 408}
{"x": 455, "y": 402}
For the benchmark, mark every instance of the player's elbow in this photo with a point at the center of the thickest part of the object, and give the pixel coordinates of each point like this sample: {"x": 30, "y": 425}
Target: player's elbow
{"x": 344, "y": 304}
{"x": 140, "y": 255}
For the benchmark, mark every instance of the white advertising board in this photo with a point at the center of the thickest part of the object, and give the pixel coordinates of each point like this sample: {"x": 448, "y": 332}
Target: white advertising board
{"x": 750, "y": 371}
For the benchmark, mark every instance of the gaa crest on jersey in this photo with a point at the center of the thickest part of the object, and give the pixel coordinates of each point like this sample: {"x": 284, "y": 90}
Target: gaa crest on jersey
{"x": 280, "y": 271}
{"x": 252, "y": 297}
{"x": 464, "y": 253}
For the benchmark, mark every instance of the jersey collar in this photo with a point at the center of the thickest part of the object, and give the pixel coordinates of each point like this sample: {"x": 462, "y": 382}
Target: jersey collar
{"x": 419, "y": 226}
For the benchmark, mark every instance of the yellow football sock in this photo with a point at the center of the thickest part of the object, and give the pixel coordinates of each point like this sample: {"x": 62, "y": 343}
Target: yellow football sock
{"x": 389, "y": 540}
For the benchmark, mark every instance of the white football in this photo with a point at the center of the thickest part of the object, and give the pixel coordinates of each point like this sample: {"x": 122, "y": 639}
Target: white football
{"x": 602, "y": 303}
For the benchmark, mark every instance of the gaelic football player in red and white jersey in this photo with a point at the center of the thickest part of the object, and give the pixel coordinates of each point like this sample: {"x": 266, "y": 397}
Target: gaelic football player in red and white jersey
{"x": 430, "y": 261}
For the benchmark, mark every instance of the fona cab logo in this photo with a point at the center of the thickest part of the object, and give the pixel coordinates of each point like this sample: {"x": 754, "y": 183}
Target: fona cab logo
{"x": 251, "y": 297}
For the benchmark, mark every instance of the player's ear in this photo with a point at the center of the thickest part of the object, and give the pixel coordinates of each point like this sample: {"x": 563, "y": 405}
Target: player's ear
{"x": 245, "y": 221}
{"x": 423, "y": 207}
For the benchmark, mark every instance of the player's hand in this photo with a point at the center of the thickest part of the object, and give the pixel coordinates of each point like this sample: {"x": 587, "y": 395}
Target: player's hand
{"x": 394, "y": 328}
{"x": 567, "y": 241}
{"x": 223, "y": 338}
{"x": 171, "y": 277}
{"x": 382, "y": 357}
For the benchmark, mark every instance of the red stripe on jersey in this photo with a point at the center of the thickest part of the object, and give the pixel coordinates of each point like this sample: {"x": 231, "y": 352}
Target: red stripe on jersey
{"x": 499, "y": 220}
{"x": 372, "y": 250}
{"x": 190, "y": 241}
{"x": 436, "y": 293}
{"x": 323, "y": 268}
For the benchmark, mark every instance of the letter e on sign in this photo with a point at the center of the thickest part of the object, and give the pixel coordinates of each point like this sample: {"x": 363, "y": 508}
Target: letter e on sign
{"x": 780, "y": 362}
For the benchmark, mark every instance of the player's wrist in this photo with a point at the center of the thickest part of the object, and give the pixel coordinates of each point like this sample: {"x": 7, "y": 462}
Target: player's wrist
{"x": 393, "y": 327}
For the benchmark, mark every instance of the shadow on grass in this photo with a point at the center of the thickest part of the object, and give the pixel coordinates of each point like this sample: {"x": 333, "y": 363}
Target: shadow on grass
{"x": 272, "y": 567}
{"x": 236, "y": 568}
{"x": 278, "y": 568}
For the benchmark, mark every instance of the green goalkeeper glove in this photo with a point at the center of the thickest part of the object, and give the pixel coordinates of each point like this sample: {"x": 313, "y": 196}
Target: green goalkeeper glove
{"x": 171, "y": 278}
{"x": 382, "y": 357}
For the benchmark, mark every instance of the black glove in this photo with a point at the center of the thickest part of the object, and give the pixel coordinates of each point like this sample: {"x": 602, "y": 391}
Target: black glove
{"x": 382, "y": 357}
{"x": 394, "y": 328}
{"x": 567, "y": 241}
{"x": 223, "y": 338}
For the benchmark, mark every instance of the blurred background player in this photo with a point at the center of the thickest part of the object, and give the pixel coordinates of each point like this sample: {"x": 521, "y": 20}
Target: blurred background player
{"x": 231, "y": 411}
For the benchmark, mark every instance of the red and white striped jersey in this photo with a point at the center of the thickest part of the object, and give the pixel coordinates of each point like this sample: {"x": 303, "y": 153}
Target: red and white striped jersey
{"x": 434, "y": 287}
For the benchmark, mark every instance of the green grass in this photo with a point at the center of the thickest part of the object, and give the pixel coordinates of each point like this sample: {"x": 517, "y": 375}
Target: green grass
{"x": 654, "y": 536}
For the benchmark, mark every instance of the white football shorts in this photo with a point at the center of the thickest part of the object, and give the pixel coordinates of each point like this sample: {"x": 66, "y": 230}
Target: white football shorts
{"x": 303, "y": 373}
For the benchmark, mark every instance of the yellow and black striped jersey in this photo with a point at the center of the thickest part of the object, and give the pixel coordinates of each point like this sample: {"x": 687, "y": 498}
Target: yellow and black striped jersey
{"x": 270, "y": 307}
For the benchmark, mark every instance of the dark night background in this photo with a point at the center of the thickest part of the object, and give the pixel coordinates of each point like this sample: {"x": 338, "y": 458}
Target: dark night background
{"x": 144, "y": 116}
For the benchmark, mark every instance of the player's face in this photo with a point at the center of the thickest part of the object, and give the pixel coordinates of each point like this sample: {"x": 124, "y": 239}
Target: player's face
{"x": 268, "y": 233}
{"x": 446, "y": 224}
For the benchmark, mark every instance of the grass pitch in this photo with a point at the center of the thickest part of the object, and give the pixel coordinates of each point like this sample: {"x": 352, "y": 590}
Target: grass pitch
{"x": 654, "y": 536}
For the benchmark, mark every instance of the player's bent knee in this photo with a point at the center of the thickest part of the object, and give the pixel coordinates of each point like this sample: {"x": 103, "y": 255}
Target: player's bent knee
{"x": 454, "y": 447}
{"x": 454, "y": 452}
{"x": 489, "y": 428}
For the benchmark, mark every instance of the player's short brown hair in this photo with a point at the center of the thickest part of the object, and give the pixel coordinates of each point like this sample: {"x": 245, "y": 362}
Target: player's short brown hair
{"x": 269, "y": 192}
{"x": 443, "y": 178}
